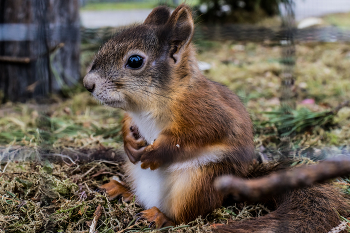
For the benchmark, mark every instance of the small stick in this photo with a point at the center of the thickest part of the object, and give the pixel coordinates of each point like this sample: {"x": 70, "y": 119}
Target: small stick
{"x": 88, "y": 171}
{"x": 97, "y": 215}
{"x": 63, "y": 156}
{"x": 281, "y": 182}
{"x": 109, "y": 162}
{"x": 3, "y": 171}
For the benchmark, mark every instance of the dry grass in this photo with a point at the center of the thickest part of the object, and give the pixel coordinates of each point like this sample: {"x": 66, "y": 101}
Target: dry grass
{"x": 39, "y": 195}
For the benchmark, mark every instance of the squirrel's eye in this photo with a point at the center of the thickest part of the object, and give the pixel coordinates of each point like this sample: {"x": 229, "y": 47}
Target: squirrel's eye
{"x": 135, "y": 61}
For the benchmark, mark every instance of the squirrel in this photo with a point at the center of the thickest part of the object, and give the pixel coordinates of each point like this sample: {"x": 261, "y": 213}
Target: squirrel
{"x": 181, "y": 131}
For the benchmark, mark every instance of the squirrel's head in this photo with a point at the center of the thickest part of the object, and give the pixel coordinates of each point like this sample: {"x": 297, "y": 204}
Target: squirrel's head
{"x": 143, "y": 64}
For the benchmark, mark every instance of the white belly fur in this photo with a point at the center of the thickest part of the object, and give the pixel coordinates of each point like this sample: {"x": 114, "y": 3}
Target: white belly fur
{"x": 159, "y": 187}
{"x": 149, "y": 186}
{"x": 154, "y": 188}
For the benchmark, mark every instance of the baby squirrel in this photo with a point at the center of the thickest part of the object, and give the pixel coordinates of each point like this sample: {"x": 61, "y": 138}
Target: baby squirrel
{"x": 181, "y": 131}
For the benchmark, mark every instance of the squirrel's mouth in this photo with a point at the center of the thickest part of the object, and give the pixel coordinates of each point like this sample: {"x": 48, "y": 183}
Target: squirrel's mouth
{"x": 109, "y": 99}
{"x": 113, "y": 103}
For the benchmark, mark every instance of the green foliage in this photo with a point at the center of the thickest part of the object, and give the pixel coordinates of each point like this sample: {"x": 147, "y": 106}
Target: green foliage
{"x": 101, "y": 6}
{"x": 297, "y": 121}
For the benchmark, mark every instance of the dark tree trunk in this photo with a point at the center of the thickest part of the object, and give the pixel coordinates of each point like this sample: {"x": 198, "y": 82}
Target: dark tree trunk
{"x": 39, "y": 47}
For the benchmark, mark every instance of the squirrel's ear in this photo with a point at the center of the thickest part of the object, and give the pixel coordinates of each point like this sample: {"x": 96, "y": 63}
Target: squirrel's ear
{"x": 182, "y": 25}
{"x": 158, "y": 16}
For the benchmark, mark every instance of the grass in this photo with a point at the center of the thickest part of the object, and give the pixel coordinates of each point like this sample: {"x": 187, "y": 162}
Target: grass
{"x": 298, "y": 121}
{"x": 62, "y": 200}
{"x": 119, "y": 6}
{"x": 341, "y": 20}
{"x": 73, "y": 120}
{"x": 63, "y": 196}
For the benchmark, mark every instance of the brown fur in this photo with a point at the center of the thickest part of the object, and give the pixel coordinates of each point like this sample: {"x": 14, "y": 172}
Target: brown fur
{"x": 208, "y": 116}
{"x": 197, "y": 118}
{"x": 314, "y": 209}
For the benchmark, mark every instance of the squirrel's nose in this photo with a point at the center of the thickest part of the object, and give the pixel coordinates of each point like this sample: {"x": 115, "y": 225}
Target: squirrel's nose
{"x": 89, "y": 81}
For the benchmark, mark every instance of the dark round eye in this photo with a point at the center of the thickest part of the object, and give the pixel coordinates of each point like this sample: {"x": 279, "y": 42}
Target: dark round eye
{"x": 135, "y": 61}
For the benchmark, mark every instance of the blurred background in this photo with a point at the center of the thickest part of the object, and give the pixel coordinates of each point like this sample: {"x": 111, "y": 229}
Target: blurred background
{"x": 288, "y": 60}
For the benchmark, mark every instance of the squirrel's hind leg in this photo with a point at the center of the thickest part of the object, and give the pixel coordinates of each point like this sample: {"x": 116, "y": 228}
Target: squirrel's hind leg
{"x": 156, "y": 218}
{"x": 115, "y": 189}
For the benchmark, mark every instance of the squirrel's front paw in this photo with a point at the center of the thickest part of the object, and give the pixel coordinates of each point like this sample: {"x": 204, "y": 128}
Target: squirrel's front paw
{"x": 153, "y": 165}
{"x": 149, "y": 159}
{"x": 134, "y": 145}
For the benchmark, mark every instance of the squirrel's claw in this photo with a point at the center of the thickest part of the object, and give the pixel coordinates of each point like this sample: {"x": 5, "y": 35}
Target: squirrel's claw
{"x": 134, "y": 145}
{"x": 133, "y": 154}
{"x": 149, "y": 159}
{"x": 149, "y": 164}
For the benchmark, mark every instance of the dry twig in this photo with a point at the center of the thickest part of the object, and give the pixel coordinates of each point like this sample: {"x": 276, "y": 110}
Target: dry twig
{"x": 86, "y": 173}
{"x": 97, "y": 215}
{"x": 64, "y": 156}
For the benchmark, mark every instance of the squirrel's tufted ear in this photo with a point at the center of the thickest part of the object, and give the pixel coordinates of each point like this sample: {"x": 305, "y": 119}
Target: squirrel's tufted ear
{"x": 158, "y": 16}
{"x": 182, "y": 25}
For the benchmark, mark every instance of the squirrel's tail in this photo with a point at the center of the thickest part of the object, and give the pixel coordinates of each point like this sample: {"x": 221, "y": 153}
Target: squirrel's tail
{"x": 315, "y": 209}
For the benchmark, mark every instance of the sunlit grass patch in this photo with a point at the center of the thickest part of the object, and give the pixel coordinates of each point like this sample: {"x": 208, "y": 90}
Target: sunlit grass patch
{"x": 341, "y": 20}
{"x": 131, "y": 5}
{"x": 74, "y": 121}
{"x": 119, "y": 6}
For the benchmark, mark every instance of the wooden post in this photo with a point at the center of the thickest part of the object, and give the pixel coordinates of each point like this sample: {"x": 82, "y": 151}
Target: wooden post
{"x": 39, "y": 47}
{"x": 288, "y": 95}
